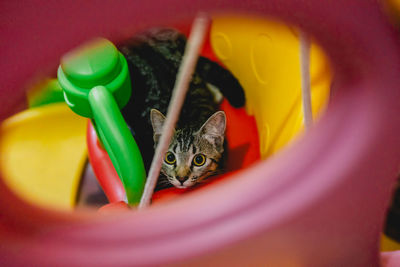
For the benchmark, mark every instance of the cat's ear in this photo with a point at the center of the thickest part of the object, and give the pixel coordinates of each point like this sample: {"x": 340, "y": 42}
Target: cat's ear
{"x": 214, "y": 128}
{"x": 157, "y": 121}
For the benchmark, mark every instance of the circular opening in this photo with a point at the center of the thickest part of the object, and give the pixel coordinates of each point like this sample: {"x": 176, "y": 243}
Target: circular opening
{"x": 272, "y": 115}
{"x": 252, "y": 210}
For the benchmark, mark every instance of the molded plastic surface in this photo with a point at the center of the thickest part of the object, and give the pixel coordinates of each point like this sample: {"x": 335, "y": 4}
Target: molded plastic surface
{"x": 93, "y": 64}
{"x": 96, "y": 84}
{"x": 46, "y": 92}
{"x": 395, "y": 4}
{"x": 264, "y": 55}
{"x": 310, "y": 205}
{"x": 103, "y": 169}
{"x": 387, "y": 244}
{"x": 43, "y": 153}
{"x": 119, "y": 143}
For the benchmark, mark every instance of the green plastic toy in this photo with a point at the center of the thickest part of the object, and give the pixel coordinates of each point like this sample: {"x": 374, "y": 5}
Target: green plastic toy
{"x": 45, "y": 92}
{"x": 96, "y": 84}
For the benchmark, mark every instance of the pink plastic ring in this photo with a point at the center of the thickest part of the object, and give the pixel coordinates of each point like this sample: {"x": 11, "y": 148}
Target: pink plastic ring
{"x": 321, "y": 202}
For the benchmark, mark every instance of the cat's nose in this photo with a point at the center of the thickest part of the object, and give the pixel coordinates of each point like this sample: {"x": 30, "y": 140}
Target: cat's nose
{"x": 182, "y": 179}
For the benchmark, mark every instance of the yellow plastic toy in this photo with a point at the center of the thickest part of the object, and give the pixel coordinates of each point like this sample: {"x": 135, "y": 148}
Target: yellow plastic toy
{"x": 395, "y": 5}
{"x": 264, "y": 56}
{"x": 43, "y": 152}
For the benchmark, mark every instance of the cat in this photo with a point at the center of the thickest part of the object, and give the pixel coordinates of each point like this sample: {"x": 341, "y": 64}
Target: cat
{"x": 197, "y": 147}
{"x": 194, "y": 152}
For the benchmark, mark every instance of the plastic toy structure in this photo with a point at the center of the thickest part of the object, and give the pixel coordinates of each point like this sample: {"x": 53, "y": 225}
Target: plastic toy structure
{"x": 308, "y": 205}
{"x": 50, "y": 142}
{"x": 96, "y": 84}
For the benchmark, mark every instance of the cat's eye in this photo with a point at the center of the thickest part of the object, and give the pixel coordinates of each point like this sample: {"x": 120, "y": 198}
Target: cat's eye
{"x": 170, "y": 158}
{"x": 199, "y": 160}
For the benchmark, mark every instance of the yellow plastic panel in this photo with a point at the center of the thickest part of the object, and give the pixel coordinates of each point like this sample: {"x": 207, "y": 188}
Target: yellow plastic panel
{"x": 264, "y": 56}
{"x": 392, "y": 10}
{"x": 388, "y": 244}
{"x": 395, "y": 4}
{"x": 43, "y": 152}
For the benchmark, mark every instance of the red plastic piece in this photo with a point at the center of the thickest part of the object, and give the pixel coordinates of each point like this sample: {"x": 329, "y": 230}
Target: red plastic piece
{"x": 119, "y": 206}
{"x": 206, "y": 50}
{"x": 103, "y": 168}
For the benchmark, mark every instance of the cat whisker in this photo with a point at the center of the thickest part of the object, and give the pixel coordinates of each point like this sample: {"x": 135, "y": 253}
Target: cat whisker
{"x": 212, "y": 174}
{"x": 215, "y": 172}
{"x": 163, "y": 183}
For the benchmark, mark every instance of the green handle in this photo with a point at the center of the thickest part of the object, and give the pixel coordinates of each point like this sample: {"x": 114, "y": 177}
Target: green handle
{"x": 118, "y": 141}
{"x": 96, "y": 84}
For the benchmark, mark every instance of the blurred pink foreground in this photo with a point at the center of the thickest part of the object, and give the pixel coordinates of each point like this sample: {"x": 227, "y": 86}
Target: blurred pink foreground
{"x": 320, "y": 203}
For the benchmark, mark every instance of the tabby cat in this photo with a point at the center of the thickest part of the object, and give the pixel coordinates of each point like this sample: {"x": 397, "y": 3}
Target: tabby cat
{"x": 197, "y": 147}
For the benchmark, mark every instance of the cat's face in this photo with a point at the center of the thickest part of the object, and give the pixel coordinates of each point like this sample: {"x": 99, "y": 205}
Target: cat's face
{"x": 193, "y": 154}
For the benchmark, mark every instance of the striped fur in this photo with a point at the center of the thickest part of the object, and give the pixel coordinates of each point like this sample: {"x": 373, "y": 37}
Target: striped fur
{"x": 187, "y": 143}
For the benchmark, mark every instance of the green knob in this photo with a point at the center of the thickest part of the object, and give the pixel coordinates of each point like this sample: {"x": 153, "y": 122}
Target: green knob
{"x": 93, "y": 64}
{"x": 96, "y": 84}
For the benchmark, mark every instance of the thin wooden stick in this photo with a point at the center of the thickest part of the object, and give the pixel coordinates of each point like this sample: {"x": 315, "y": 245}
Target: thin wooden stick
{"x": 305, "y": 79}
{"x": 185, "y": 72}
